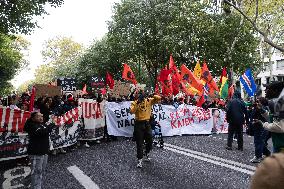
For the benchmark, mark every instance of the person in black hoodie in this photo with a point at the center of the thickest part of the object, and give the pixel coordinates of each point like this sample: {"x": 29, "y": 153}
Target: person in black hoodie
{"x": 38, "y": 147}
{"x": 236, "y": 115}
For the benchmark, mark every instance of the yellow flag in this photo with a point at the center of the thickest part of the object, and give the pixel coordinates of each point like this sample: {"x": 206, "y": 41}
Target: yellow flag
{"x": 197, "y": 70}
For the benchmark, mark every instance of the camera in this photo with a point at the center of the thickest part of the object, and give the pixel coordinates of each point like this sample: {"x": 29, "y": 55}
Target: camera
{"x": 275, "y": 94}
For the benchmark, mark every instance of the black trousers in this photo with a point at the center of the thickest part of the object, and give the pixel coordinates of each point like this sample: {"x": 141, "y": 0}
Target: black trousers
{"x": 238, "y": 130}
{"x": 143, "y": 131}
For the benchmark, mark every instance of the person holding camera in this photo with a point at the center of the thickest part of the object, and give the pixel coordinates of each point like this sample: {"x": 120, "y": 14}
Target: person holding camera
{"x": 270, "y": 173}
{"x": 142, "y": 129}
{"x": 259, "y": 116}
{"x": 38, "y": 147}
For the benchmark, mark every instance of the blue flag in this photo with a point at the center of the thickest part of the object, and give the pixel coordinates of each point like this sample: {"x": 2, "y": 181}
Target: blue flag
{"x": 248, "y": 82}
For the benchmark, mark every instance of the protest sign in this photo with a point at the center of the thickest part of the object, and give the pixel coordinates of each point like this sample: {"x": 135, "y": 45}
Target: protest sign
{"x": 66, "y": 130}
{"x": 93, "y": 114}
{"x": 67, "y": 84}
{"x": 65, "y": 135}
{"x": 47, "y": 90}
{"x": 185, "y": 119}
{"x": 97, "y": 82}
{"x": 12, "y": 145}
{"x": 120, "y": 89}
{"x": 220, "y": 124}
{"x": 138, "y": 87}
{"x": 118, "y": 119}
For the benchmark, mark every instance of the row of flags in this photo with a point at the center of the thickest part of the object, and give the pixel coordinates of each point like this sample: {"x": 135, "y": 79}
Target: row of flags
{"x": 200, "y": 82}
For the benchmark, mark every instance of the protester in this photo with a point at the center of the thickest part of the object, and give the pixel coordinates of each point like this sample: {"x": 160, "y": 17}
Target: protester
{"x": 142, "y": 129}
{"x": 45, "y": 109}
{"x": 38, "y": 147}
{"x": 236, "y": 115}
{"x": 258, "y": 116}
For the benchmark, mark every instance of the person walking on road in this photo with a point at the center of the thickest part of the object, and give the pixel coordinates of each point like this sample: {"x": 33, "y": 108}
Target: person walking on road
{"x": 142, "y": 129}
{"x": 38, "y": 147}
{"x": 236, "y": 116}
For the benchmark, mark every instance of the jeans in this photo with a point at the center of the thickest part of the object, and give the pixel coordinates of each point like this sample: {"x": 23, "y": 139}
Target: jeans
{"x": 260, "y": 136}
{"x": 238, "y": 131}
{"x": 38, "y": 166}
{"x": 143, "y": 131}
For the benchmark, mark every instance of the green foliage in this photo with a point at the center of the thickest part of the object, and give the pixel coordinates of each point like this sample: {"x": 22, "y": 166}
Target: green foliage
{"x": 60, "y": 56}
{"x": 144, "y": 34}
{"x": 11, "y": 59}
{"x": 18, "y": 16}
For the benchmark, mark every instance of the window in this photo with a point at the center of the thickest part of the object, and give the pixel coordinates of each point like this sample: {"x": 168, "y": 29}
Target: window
{"x": 280, "y": 64}
{"x": 258, "y": 81}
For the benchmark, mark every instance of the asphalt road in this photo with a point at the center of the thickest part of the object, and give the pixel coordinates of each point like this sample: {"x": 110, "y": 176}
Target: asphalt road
{"x": 185, "y": 162}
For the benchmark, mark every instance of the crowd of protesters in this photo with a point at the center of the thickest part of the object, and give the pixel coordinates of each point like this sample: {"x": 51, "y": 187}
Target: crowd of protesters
{"x": 254, "y": 113}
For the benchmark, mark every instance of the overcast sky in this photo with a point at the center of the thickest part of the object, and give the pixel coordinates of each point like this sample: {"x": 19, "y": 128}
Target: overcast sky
{"x": 83, "y": 20}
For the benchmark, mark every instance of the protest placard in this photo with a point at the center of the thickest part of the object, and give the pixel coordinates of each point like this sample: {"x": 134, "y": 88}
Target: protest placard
{"x": 47, "y": 90}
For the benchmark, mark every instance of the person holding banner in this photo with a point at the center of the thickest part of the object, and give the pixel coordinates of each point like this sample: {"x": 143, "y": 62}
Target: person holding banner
{"x": 38, "y": 147}
{"x": 142, "y": 129}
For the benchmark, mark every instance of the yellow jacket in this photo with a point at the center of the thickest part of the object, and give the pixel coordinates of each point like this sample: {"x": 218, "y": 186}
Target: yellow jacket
{"x": 142, "y": 110}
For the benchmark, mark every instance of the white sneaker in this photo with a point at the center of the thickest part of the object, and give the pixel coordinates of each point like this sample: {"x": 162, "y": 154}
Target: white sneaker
{"x": 139, "y": 165}
{"x": 146, "y": 158}
{"x": 53, "y": 152}
{"x": 256, "y": 160}
{"x": 63, "y": 151}
{"x": 98, "y": 141}
{"x": 87, "y": 145}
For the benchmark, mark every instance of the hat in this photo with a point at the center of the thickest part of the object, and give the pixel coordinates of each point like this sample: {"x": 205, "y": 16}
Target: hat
{"x": 270, "y": 173}
{"x": 70, "y": 99}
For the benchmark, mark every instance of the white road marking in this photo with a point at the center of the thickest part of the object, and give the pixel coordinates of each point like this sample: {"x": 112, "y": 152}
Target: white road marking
{"x": 235, "y": 163}
{"x": 83, "y": 179}
{"x": 211, "y": 161}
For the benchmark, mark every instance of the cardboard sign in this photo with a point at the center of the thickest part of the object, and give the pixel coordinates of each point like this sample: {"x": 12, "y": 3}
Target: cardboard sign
{"x": 67, "y": 84}
{"x": 138, "y": 87}
{"x": 120, "y": 89}
{"x": 47, "y": 90}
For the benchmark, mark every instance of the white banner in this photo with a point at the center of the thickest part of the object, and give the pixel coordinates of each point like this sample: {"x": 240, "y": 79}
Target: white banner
{"x": 93, "y": 114}
{"x": 65, "y": 135}
{"x": 185, "y": 119}
{"x": 118, "y": 119}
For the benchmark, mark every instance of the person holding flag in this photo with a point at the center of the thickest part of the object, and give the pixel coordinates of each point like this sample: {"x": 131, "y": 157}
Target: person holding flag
{"x": 142, "y": 129}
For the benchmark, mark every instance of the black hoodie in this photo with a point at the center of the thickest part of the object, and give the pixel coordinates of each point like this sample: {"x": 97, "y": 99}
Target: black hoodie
{"x": 236, "y": 110}
{"x": 38, "y": 137}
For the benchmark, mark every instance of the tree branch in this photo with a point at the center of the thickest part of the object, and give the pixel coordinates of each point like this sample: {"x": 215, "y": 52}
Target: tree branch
{"x": 268, "y": 41}
{"x": 256, "y": 11}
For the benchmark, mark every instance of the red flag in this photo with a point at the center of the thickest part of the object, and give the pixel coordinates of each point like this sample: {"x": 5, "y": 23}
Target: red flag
{"x": 164, "y": 80}
{"x": 189, "y": 77}
{"x": 167, "y": 88}
{"x": 224, "y": 74}
{"x": 207, "y": 77}
{"x": 128, "y": 74}
{"x": 200, "y": 101}
{"x": 157, "y": 89}
{"x": 84, "y": 90}
{"x": 164, "y": 74}
{"x": 109, "y": 80}
{"x": 103, "y": 91}
{"x": 175, "y": 84}
{"x": 176, "y": 77}
{"x": 32, "y": 101}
